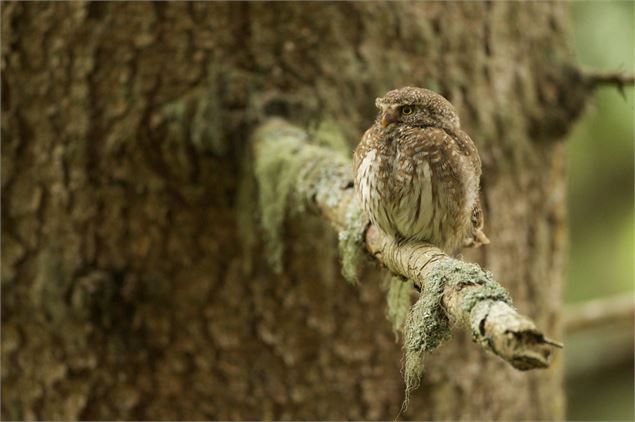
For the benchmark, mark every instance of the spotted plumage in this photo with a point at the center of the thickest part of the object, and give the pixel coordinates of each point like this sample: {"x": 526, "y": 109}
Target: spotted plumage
{"x": 417, "y": 173}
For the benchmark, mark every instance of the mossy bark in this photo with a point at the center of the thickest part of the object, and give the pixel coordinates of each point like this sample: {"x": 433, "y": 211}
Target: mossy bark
{"x": 134, "y": 285}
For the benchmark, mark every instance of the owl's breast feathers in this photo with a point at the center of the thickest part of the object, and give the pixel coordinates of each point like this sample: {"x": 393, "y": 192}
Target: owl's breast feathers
{"x": 419, "y": 183}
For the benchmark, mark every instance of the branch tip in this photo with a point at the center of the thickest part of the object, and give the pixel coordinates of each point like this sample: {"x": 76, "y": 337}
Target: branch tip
{"x": 618, "y": 79}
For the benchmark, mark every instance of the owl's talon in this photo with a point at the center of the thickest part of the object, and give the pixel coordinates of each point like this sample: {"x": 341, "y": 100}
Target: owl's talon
{"x": 400, "y": 240}
{"x": 481, "y": 237}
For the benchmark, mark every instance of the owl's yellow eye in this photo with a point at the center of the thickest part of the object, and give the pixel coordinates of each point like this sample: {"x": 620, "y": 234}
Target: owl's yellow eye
{"x": 406, "y": 110}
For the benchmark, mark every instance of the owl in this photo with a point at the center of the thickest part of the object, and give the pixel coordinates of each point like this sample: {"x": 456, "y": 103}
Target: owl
{"x": 417, "y": 174}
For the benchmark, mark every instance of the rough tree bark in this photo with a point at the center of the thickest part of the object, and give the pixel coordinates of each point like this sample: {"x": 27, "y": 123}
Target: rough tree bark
{"x": 134, "y": 285}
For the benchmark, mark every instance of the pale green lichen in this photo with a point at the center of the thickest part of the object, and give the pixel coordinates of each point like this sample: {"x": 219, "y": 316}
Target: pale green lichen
{"x": 427, "y": 325}
{"x": 462, "y": 274}
{"x": 321, "y": 179}
{"x": 489, "y": 290}
{"x": 330, "y": 134}
{"x": 206, "y": 130}
{"x": 328, "y": 180}
{"x": 351, "y": 241}
{"x": 198, "y": 118}
{"x": 398, "y": 302}
{"x": 291, "y": 174}
{"x": 276, "y": 171}
{"x": 246, "y": 213}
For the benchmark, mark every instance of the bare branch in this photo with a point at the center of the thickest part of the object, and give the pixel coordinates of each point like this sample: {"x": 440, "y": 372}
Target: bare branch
{"x": 609, "y": 78}
{"x": 470, "y": 296}
{"x": 618, "y": 79}
{"x": 601, "y": 332}
{"x": 600, "y": 313}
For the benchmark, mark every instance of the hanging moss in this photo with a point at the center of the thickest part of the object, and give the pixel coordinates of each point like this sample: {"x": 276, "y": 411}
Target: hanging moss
{"x": 330, "y": 134}
{"x": 276, "y": 172}
{"x": 351, "y": 241}
{"x": 427, "y": 325}
{"x": 327, "y": 179}
{"x": 294, "y": 174}
{"x": 245, "y": 212}
{"x": 398, "y": 302}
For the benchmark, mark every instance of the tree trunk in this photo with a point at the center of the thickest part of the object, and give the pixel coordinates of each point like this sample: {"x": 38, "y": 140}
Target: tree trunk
{"x": 134, "y": 285}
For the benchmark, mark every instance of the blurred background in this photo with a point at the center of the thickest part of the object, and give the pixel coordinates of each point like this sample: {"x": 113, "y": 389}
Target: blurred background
{"x": 129, "y": 298}
{"x": 600, "y": 168}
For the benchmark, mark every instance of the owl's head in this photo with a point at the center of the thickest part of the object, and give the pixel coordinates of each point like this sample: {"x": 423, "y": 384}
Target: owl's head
{"x": 417, "y": 107}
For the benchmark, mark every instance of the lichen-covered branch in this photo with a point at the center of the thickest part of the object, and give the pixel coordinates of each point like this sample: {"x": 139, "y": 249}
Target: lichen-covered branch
{"x": 453, "y": 292}
{"x": 471, "y": 298}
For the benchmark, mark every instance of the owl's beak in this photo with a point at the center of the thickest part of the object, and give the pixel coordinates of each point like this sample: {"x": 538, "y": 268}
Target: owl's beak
{"x": 389, "y": 116}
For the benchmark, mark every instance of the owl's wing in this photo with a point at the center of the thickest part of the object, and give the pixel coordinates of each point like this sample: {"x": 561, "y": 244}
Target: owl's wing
{"x": 478, "y": 237}
{"x": 467, "y": 147}
{"x": 442, "y": 148}
{"x": 368, "y": 139}
{"x": 430, "y": 148}
{"x": 436, "y": 146}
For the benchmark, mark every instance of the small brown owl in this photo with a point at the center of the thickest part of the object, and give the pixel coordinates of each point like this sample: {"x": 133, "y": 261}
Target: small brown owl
{"x": 417, "y": 173}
